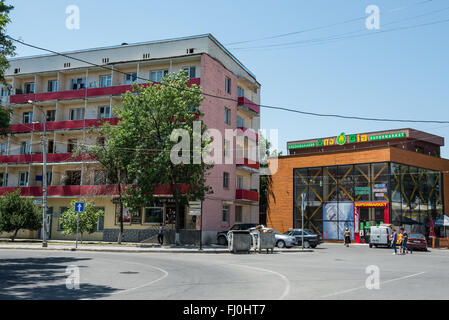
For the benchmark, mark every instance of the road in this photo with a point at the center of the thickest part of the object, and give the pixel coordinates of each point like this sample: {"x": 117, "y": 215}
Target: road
{"x": 330, "y": 272}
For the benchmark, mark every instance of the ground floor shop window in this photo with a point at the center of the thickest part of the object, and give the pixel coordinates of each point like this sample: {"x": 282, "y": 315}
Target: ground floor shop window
{"x": 126, "y": 215}
{"x": 154, "y": 215}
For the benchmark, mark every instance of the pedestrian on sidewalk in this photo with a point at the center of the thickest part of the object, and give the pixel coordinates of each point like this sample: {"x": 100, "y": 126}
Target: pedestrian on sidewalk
{"x": 160, "y": 235}
{"x": 394, "y": 239}
{"x": 347, "y": 236}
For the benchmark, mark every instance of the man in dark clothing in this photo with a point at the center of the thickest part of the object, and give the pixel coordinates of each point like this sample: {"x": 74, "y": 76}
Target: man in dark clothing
{"x": 394, "y": 239}
{"x": 160, "y": 235}
{"x": 404, "y": 242}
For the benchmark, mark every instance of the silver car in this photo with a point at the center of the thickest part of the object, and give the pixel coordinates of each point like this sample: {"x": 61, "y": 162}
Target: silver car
{"x": 284, "y": 241}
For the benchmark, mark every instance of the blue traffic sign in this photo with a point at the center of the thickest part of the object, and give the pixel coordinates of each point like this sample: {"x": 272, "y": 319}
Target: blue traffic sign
{"x": 79, "y": 206}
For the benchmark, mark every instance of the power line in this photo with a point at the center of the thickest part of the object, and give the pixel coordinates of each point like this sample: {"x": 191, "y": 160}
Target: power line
{"x": 236, "y": 101}
{"x": 324, "y": 26}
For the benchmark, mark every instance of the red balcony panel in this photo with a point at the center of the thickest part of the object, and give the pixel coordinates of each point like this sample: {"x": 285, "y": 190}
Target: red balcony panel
{"x": 51, "y": 157}
{"x": 62, "y": 125}
{"x": 247, "y": 163}
{"x": 242, "y": 101}
{"x": 79, "y": 94}
{"x": 250, "y": 133}
{"x": 249, "y": 195}
{"x": 165, "y": 190}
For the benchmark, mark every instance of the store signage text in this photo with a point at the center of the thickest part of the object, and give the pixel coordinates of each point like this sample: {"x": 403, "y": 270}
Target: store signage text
{"x": 343, "y": 139}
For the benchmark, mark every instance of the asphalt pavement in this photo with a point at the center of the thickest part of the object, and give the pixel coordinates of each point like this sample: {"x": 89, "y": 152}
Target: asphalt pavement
{"x": 331, "y": 271}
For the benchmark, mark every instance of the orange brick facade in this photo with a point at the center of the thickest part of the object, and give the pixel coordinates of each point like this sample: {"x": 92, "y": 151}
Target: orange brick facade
{"x": 280, "y": 203}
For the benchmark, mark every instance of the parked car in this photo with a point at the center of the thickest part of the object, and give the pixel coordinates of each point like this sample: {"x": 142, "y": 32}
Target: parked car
{"x": 222, "y": 235}
{"x": 311, "y": 239}
{"x": 417, "y": 241}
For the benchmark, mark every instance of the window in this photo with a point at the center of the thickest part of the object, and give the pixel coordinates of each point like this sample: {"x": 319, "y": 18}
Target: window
{"x": 25, "y": 147}
{"x": 104, "y": 112}
{"x": 23, "y": 179}
{"x": 130, "y": 77}
{"x": 3, "y": 179}
{"x": 49, "y": 178}
{"x": 61, "y": 211}
{"x": 66, "y": 64}
{"x": 226, "y": 148}
{"x": 27, "y": 117}
{"x": 100, "y": 177}
{"x": 101, "y": 141}
{"x": 100, "y": 221}
{"x": 225, "y": 213}
{"x": 154, "y": 215}
{"x": 77, "y": 114}
{"x": 4, "y": 148}
{"x": 52, "y": 86}
{"x": 239, "y": 182}
{"x": 4, "y": 92}
{"x": 238, "y": 214}
{"x": 106, "y": 81}
{"x": 157, "y": 75}
{"x": 51, "y": 115}
{"x": 227, "y": 116}
{"x": 146, "y": 56}
{"x": 240, "y": 92}
{"x": 29, "y": 87}
{"x": 225, "y": 180}
{"x": 78, "y": 83}
{"x": 228, "y": 85}
{"x": 51, "y": 146}
{"x": 191, "y": 72}
{"x": 73, "y": 178}
{"x": 71, "y": 145}
{"x": 240, "y": 122}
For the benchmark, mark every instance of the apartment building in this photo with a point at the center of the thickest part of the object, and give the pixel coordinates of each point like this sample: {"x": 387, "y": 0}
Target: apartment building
{"x": 73, "y": 96}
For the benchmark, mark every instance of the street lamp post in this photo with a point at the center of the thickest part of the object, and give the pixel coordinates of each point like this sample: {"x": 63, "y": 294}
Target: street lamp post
{"x": 44, "y": 182}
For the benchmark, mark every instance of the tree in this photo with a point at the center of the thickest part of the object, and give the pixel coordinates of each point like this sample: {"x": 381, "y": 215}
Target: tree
{"x": 88, "y": 219}
{"x": 157, "y": 125}
{"x": 17, "y": 213}
{"x": 6, "y": 50}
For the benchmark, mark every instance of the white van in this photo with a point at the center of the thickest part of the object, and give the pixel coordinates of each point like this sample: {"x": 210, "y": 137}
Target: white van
{"x": 380, "y": 235}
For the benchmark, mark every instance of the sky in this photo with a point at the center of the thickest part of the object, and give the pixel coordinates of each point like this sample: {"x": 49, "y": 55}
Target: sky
{"x": 399, "y": 74}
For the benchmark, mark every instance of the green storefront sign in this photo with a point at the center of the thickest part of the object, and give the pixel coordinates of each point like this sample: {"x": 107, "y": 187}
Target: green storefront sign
{"x": 362, "y": 190}
{"x": 302, "y": 145}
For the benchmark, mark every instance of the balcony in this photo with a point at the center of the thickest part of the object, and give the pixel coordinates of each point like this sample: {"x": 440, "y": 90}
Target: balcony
{"x": 247, "y": 105}
{"x": 76, "y": 191}
{"x": 51, "y": 158}
{"x": 247, "y": 164}
{"x": 247, "y": 132}
{"x": 61, "y": 125}
{"x": 246, "y": 195}
{"x": 78, "y": 94}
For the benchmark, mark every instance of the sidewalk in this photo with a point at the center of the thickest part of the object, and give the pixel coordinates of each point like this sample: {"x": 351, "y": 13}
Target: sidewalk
{"x": 65, "y": 245}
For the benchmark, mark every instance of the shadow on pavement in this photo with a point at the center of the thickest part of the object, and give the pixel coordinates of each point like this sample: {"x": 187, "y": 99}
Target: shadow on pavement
{"x": 44, "y": 278}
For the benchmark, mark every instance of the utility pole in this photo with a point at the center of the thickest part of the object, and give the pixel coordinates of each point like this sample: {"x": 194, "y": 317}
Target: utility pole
{"x": 44, "y": 181}
{"x": 302, "y": 221}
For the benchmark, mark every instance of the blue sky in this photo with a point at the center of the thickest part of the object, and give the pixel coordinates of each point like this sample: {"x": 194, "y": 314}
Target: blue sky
{"x": 401, "y": 74}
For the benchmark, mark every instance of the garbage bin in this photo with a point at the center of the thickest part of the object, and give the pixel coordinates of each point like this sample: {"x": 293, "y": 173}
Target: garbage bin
{"x": 239, "y": 241}
{"x": 264, "y": 239}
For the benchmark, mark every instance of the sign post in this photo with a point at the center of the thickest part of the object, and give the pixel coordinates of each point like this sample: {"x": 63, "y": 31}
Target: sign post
{"x": 79, "y": 207}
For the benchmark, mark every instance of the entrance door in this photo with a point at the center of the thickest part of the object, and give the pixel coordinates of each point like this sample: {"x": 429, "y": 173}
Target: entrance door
{"x": 370, "y": 216}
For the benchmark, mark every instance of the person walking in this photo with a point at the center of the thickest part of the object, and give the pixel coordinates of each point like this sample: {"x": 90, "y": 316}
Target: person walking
{"x": 160, "y": 235}
{"x": 405, "y": 247}
{"x": 394, "y": 239}
{"x": 347, "y": 236}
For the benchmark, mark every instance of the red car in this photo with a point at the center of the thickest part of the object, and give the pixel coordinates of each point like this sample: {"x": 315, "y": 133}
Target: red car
{"x": 417, "y": 241}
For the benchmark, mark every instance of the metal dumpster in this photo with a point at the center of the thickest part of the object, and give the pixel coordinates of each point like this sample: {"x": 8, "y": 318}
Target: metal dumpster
{"x": 239, "y": 241}
{"x": 264, "y": 239}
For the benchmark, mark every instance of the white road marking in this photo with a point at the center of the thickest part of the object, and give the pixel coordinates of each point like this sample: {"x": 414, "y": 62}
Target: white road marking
{"x": 287, "y": 282}
{"x": 364, "y": 287}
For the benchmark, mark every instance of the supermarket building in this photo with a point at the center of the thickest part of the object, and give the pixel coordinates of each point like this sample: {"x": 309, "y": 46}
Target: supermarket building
{"x": 360, "y": 180}
{"x": 75, "y": 96}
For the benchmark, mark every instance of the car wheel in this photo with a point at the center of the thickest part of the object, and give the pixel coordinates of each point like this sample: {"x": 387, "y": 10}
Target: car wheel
{"x": 370, "y": 245}
{"x": 221, "y": 241}
{"x": 313, "y": 246}
{"x": 280, "y": 244}
{"x": 306, "y": 244}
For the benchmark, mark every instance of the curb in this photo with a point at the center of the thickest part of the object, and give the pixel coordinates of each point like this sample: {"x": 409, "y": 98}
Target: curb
{"x": 209, "y": 251}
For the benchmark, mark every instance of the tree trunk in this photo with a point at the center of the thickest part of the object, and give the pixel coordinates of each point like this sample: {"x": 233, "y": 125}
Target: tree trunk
{"x": 14, "y": 235}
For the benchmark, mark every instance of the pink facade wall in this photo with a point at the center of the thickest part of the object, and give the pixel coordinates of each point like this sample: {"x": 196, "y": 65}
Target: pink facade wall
{"x": 213, "y": 78}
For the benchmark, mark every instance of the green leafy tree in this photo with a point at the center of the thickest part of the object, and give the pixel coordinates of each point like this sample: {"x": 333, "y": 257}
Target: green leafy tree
{"x": 88, "y": 219}
{"x": 7, "y": 49}
{"x": 17, "y": 213}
